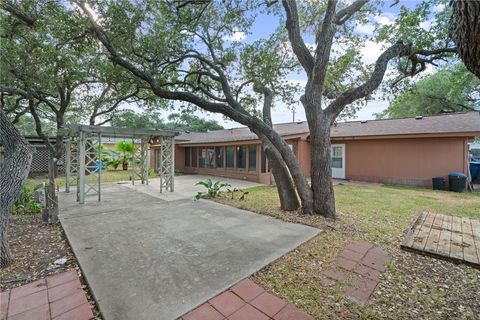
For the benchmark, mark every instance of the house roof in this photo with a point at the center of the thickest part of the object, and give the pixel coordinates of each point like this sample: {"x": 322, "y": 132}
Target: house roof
{"x": 455, "y": 123}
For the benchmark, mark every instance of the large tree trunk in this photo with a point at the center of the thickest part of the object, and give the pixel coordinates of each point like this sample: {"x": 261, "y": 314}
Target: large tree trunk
{"x": 321, "y": 172}
{"x": 465, "y": 31}
{"x": 286, "y": 191}
{"x": 283, "y": 180}
{"x": 13, "y": 176}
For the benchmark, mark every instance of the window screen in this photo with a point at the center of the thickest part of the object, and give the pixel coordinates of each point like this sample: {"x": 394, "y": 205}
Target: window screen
{"x": 203, "y": 157}
{"x": 219, "y": 156}
{"x": 337, "y": 157}
{"x": 263, "y": 162}
{"x": 194, "y": 157}
{"x": 241, "y": 157}
{"x": 210, "y": 157}
{"x": 187, "y": 157}
{"x": 230, "y": 152}
{"x": 252, "y": 158}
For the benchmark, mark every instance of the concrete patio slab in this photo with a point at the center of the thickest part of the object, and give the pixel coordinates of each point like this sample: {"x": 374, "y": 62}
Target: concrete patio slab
{"x": 147, "y": 258}
{"x": 185, "y": 187}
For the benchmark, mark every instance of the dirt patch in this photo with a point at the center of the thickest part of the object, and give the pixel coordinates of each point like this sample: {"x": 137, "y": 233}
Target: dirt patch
{"x": 35, "y": 246}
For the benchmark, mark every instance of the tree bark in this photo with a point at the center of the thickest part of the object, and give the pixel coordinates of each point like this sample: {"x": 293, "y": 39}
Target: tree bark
{"x": 465, "y": 30}
{"x": 13, "y": 176}
{"x": 321, "y": 173}
{"x": 283, "y": 180}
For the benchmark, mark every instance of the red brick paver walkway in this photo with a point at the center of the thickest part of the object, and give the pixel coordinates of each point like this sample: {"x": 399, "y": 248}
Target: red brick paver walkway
{"x": 57, "y": 297}
{"x": 246, "y": 301}
{"x": 358, "y": 268}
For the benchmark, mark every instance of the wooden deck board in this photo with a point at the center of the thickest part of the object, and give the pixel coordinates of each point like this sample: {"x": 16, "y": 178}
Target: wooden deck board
{"x": 412, "y": 232}
{"x": 445, "y": 236}
{"x": 421, "y": 238}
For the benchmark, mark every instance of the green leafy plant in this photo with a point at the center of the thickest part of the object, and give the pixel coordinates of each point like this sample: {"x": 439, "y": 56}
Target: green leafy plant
{"x": 213, "y": 188}
{"x": 232, "y": 191}
{"x": 113, "y": 159}
{"x": 126, "y": 148}
{"x": 26, "y": 202}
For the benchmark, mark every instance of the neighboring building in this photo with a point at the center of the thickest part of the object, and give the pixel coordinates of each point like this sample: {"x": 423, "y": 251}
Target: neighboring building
{"x": 396, "y": 151}
{"x": 474, "y": 148}
{"x": 39, "y": 166}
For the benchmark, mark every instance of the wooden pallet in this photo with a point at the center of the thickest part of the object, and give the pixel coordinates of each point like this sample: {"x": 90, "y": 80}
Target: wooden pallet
{"x": 445, "y": 236}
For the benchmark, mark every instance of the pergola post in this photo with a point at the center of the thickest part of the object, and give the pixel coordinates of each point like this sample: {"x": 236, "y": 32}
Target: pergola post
{"x": 140, "y": 162}
{"x": 81, "y": 167}
{"x": 71, "y": 163}
{"x": 68, "y": 165}
{"x": 172, "y": 164}
{"x": 167, "y": 163}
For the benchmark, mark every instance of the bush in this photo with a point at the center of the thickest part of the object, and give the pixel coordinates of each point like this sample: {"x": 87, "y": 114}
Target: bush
{"x": 26, "y": 202}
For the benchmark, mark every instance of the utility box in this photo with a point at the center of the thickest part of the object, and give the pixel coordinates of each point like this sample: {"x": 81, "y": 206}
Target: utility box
{"x": 438, "y": 183}
{"x": 457, "y": 182}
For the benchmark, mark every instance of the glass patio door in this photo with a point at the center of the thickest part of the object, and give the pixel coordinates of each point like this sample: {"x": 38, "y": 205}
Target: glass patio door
{"x": 338, "y": 161}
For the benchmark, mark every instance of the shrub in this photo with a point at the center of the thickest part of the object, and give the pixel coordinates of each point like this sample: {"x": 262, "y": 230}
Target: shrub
{"x": 26, "y": 202}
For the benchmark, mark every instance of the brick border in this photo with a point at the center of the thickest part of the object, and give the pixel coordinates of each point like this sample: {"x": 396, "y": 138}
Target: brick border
{"x": 56, "y": 297}
{"x": 246, "y": 301}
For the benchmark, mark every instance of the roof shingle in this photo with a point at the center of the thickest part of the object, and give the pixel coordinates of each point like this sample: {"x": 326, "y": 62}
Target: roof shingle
{"x": 455, "y": 123}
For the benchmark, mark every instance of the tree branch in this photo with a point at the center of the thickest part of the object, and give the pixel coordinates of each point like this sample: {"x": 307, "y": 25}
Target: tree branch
{"x": 38, "y": 126}
{"x": 343, "y": 15}
{"x": 324, "y": 46}
{"x": 22, "y": 16}
{"x": 353, "y": 94}
{"x": 298, "y": 45}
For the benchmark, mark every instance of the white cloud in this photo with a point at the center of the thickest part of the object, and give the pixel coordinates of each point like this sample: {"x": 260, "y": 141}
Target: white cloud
{"x": 426, "y": 25}
{"x": 372, "y": 107}
{"x": 439, "y": 8}
{"x": 235, "y": 36}
{"x": 386, "y": 18}
{"x": 365, "y": 29}
{"x": 371, "y": 51}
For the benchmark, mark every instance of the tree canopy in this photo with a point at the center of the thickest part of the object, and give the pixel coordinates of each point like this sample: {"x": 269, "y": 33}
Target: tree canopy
{"x": 451, "y": 89}
{"x": 193, "y": 55}
{"x": 184, "y": 121}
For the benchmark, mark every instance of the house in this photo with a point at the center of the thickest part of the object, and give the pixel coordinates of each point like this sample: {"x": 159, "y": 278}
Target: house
{"x": 395, "y": 151}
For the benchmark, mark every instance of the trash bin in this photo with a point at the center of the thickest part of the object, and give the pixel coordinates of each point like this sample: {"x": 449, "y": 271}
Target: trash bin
{"x": 438, "y": 183}
{"x": 475, "y": 170}
{"x": 457, "y": 181}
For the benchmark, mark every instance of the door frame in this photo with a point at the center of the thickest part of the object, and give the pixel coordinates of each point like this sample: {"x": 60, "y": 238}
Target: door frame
{"x": 339, "y": 173}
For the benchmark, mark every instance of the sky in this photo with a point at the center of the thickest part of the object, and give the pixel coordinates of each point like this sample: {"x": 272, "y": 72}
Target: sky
{"x": 266, "y": 24}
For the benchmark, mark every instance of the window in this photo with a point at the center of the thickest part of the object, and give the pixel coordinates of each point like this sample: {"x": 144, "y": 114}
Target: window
{"x": 337, "y": 156}
{"x": 187, "y": 157}
{"x": 203, "y": 157}
{"x": 219, "y": 156}
{"x": 263, "y": 162}
{"x": 241, "y": 157}
{"x": 210, "y": 157}
{"x": 252, "y": 158}
{"x": 230, "y": 152}
{"x": 194, "y": 157}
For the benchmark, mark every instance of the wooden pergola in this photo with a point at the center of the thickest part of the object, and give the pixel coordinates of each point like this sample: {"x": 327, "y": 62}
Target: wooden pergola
{"x": 83, "y": 167}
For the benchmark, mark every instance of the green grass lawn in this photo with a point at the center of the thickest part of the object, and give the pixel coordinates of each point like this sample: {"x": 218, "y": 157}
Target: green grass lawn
{"x": 414, "y": 286}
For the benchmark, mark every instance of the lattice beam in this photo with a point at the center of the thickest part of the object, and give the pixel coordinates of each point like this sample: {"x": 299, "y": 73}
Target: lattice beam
{"x": 167, "y": 163}
{"x": 140, "y": 162}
